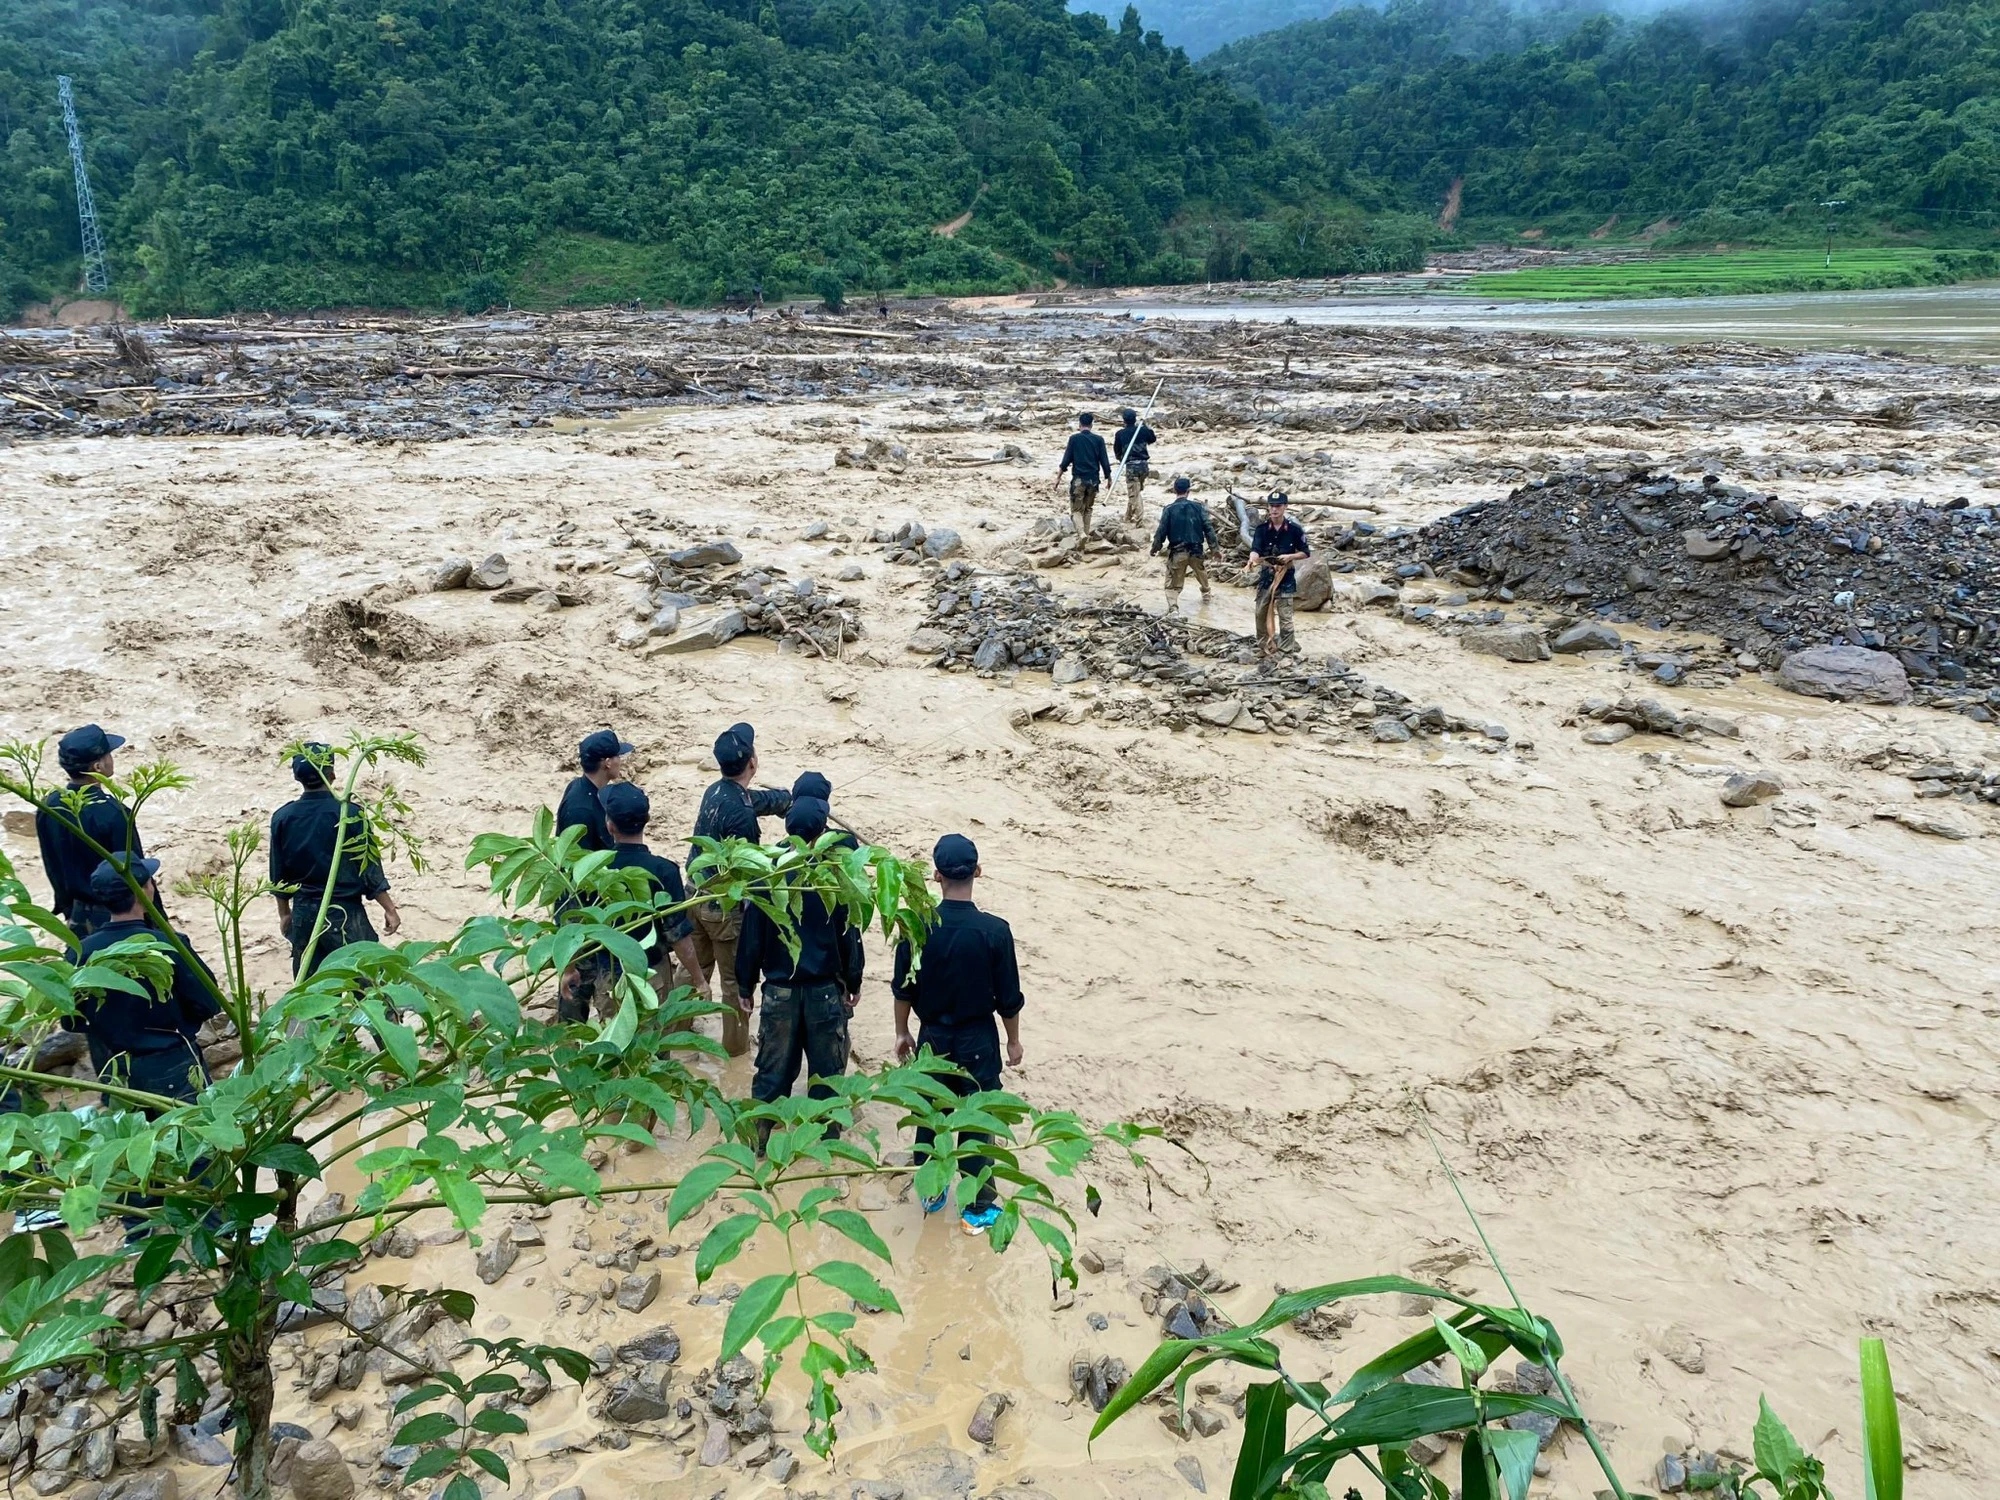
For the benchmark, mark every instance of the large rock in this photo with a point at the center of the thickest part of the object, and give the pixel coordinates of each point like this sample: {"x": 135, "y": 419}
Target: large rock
{"x": 1748, "y": 788}
{"x": 707, "y": 555}
{"x": 715, "y": 1445}
{"x": 452, "y": 573}
{"x": 1704, "y": 548}
{"x": 1508, "y": 642}
{"x": 319, "y": 1472}
{"x": 1591, "y": 635}
{"x": 491, "y": 574}
{"x": 1850, "y": 673}
{"x": 943, "y": 542}
{"x": 991, "y": 655}
{"x": 704, "y": 634}
{"x": 1938, "y": 822}
{"x": 985, "y": 1424}
{"x": 1315, "y": 581}
{"x": 199, "y": 1447}
{"x": 929, "y": 641}
{"x": 637, "y": 1291}
{"x": 1069, "y": 668}
{"x": 496, "y": 1257}
{"x": 659, "y": 1345}
{"x": 638, "y": 1399}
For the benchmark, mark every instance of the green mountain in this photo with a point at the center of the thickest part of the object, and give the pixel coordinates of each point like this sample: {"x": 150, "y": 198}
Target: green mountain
{"x": 1726, "y": 125}
{"x": 327, "y": 152}
{"x": 1198, "y": 27}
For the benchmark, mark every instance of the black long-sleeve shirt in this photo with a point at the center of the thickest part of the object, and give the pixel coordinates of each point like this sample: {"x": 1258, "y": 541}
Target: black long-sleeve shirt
{"x": 667, "y": 876}
{"x": 729, "y": 811}
{"x": 1085, "y": 453}
{"x": 1139, "y": 439}
{"x": 969, "y": 973}
{"x": 66, "y": 858}
{"x": 115, "y": 1021}
{"x": 1270, "y": 541}
{"x": 580, "y": 804}
{"x": 304, "y": 835}
{"x": 1186, "y": 526}
{"x": 829, "y": 950}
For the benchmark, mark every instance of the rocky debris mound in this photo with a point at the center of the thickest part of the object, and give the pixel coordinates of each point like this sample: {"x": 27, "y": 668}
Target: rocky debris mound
{"x": 1162, "y": 669}
{"x": 1920, "y": 583}
{"x": 697, "y": 598}
{"x": 1846, "y": 673}
{"x": 349, "y": 631}
{"x": 1053, "y": 542}
{"x": 912, "y": 542}
{"x": 1625, "y": 717}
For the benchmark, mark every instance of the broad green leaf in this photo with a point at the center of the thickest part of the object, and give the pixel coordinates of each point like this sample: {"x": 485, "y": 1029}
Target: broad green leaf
{"x": 703, "y": 1180}
{"x": 494, "y": 1422}
{"x": 857, "y": 1228}
{"x": 1399, "y": 1414}
{"x": 1475, "y": 1474}
{"x": 1514, "y": 1454}
{"x": 65, "y": 1337}
{"x": 1266, "y": 1409}
{"x": 463, "y": 1197}
{"x": 1161, "y": 1363}
{"x": 430, "y": 1464}
{"x": 491, "y": 1462}
{"x": 752, "y": 1310}
{"x": 846, "y": 1276}
{"x": 1418, "y": 1349}
{"x": 1881, "y": 1425}
{"x": 1777, "y": 1452}
{"x": 428, "y": 1428}
{"x": 462, "y": 1487}
{"x": 723, "y": 1243}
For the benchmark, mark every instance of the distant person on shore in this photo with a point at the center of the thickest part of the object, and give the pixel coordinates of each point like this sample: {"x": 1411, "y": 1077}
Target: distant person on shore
{"x": 1187, "y": 531}
{"x": 1087, "y": 465}
{"x": 808, "y": 996}
{"x": 311, "y": 852}
{"x": 1132, "y": 446}
{"x": 731, "y": 808}
{"x": 969, "y": 976}
{"x": 86, "y": 756}
{"x": 1276, "y": 548}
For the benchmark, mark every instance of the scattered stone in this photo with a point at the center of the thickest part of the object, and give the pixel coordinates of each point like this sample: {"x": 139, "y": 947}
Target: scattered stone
{"x": 491, "y": 574}
{"x": 717, "y": 628}
{"x": 1096, "y": 1380}
{"x": 991, "y": 655}
{"x": 1088, "y": 1259}
{"x": 986, "y": 1420}
{"x": 1671, "y": 1474}
{"x": 199, "y": 1447}
{"x": 1222, "y": 713}
{"x": 1315, "y": 584}
{"x": 638, "y": 1398}
{"x": 1592, "y": 635}
{"x": 1069, "y": 669}
{"x": 637, "y": 1291}
{"x": 1389, "y": 731}
{"x": 720, "y": 554}
{"x": 1938, "y": 822}
{"x": 659, "y": 1345}
{"x": 942, "y": 542}
{"x": 1748, "y": 788}
{"x": 1685, "y": 1350}
{"x": 1704, "y": 548}
{"x": 495, "y": 1258}
{"x": 319, "y": 1472}
{"x": 849, "y": 574}
{"x": 1521, "y": 643}
{"x": 348, "y": 1413}
{"x": 715, "y": 1446}
{"x": 1189, "y": 1468}
{"x": 1207, "y": 1421}
{"x": 1847, "y": 673}
{"x": 1541, "y": 1424}
{"x": 1709, "y": 723}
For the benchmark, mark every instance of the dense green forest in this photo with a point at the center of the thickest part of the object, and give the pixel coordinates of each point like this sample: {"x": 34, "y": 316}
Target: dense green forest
{"x": 321, "y": 152}
{"x": 1730, "y": 124}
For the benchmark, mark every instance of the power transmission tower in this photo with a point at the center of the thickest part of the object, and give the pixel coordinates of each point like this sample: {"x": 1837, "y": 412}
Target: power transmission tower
{"x": 96, "y": 275}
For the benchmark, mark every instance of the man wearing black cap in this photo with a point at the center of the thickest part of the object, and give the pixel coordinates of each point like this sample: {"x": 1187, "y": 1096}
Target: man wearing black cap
{"x": 1132, "y": 446}
{"x": 807, "y": 999}
{"x": 627, "y": 810}
{"x": 968, "y": 976}
{"x": 1086, "y": 462}
{"x": 66, "y": 833}
{"x": 1278, "y": 545}
{"x": 144, "y": 1042}
{"x": 602, "y": 759}
{"x": 1187, "y": 531}
{"x": 812, "y": 784}
{"x": 730, "y": 809}
{"x": 306, "y": 835}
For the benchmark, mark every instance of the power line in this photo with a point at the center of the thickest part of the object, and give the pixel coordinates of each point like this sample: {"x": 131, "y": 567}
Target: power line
{"x": 96, "y": 274}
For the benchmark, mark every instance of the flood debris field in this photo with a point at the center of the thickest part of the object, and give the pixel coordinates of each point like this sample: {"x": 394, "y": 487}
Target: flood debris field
{"x": 1692, "y": 974}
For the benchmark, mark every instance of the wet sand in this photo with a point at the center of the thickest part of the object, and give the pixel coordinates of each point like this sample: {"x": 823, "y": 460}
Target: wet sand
{"x": 1717, "y": 1075}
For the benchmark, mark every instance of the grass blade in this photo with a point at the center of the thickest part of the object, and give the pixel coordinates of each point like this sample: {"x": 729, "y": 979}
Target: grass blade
{"x": 1881, "y": 1427}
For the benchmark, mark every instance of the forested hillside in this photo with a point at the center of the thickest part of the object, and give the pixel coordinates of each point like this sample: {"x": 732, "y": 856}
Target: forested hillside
{"x": 1738, "y": 123}
{"x": 317, "y": 152}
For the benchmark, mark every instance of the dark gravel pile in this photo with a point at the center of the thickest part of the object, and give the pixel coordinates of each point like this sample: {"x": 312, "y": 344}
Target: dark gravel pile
{"x": 1920, "y": 581}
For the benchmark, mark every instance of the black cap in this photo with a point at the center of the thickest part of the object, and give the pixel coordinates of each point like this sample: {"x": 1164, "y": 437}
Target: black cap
{"x": 1277, "y": 497}
{"x": 1129, "y": 415}
{"x": 812, "y": 784}
{"x": 310, "y": 767}
{"x": 956, "y": 857}
{"x": 1181, "y": 485}
{"x": 807, "y": 819}
{"x": 734, "y": 747}
{"x": 1085, "y": 418}
{"x": 599, "y": 746}
{"x": 626, "y": 808}
{"x": 107, "y": 881}
{"x": 82, "y": 748}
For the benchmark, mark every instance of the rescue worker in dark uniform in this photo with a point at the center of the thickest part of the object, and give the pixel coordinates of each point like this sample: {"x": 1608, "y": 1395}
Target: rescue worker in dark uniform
{"x": 1132, "y": 446}
{"x": 627, "y": 811}
{"x": 1277, "y": 541}
{"x": 1187, "y": 531}
{"x": 812, "y": 784}
{"x": 807, "y": 999}
{"x": 67, "y": 858}
{"x": 601, "y": 756}
{"x": 144, "y": 1042}
{"x": 730, "y": 808}
{"x": 305, "y": 835}
{"x": 969, "y": 976}
{"x": 1086, "y": 463}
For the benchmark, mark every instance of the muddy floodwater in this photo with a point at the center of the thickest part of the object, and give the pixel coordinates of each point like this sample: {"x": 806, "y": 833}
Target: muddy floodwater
{"x": 1721, "y": 1080}
{"x": 1961, "y": 322}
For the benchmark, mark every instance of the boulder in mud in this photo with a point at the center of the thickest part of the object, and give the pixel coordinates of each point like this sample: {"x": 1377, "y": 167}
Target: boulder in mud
{"x": 1748, "y": 788}
{"x": 1522, "y": 643}
{"x": 1851, "y": 674}
{"x": 319, "y": 1472}
{"x": 491, "y": 574}
{"x": 1591, "y": 635}
{"x": 496, "y": 1257}
{"x": 702, "y": 634}
{"x": 942, "y": 542}
{"x": 985, "y": 1424}
{"x": 1702, "y": 547}
{"x": 451, "y": 573}
{"x": 1938, "y": 822}
{"x": 1315, "y": 580}
{"x": 707, "y": 555}
{"x": 659, "y": 1345}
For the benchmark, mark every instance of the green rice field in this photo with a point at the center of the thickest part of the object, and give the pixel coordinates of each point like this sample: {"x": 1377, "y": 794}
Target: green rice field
{"x": 1737, "y": 273}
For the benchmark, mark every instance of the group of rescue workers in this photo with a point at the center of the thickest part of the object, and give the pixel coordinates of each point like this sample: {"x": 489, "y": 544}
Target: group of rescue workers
{"x": 1186, "y": 530}
{"x": 324, "y": 868}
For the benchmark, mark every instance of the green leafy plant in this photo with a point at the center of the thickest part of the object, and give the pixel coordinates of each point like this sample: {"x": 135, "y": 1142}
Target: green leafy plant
{"x": 426, "y": 1067}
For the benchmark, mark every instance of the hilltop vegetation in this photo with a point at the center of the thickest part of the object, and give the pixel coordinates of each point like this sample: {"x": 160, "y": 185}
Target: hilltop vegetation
{"x": 1728, "y": 124}
{"x": 322, "y": 152}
